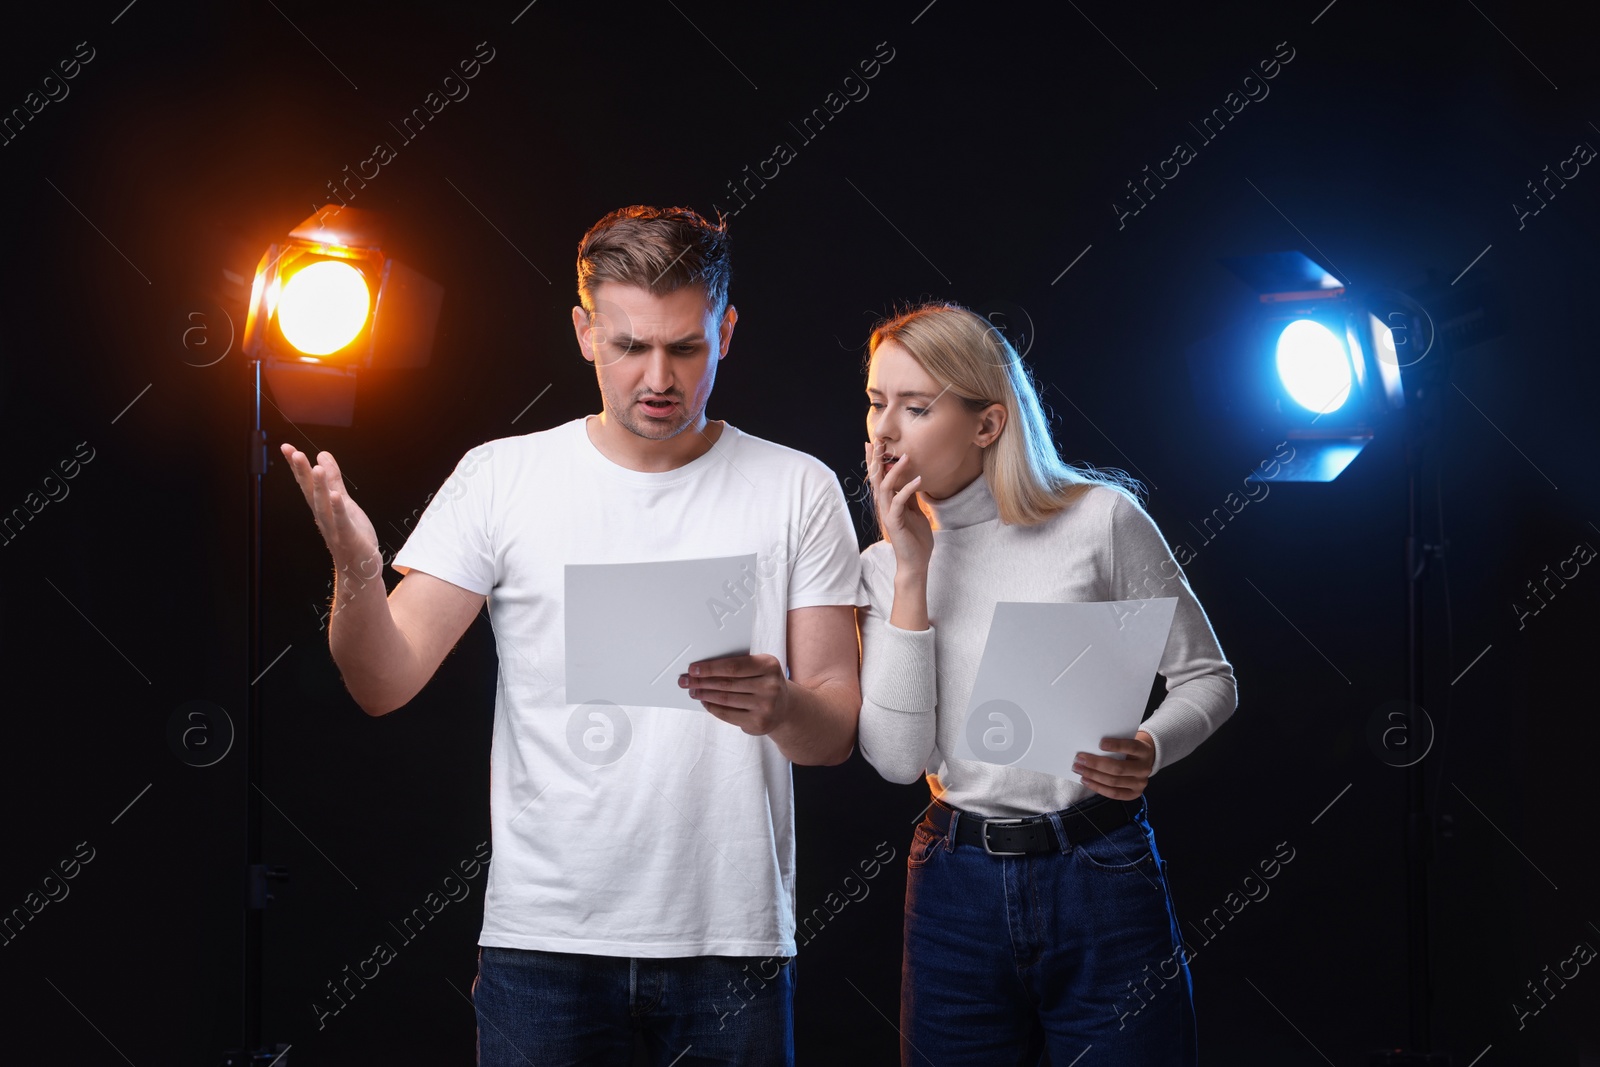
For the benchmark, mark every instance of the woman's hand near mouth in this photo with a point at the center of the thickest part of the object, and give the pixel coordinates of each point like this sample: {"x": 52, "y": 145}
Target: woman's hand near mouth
{"x": 905, "y": 525}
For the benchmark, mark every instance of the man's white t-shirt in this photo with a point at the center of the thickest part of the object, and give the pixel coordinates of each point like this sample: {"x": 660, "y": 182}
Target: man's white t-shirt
{"x": 684, "y": 845}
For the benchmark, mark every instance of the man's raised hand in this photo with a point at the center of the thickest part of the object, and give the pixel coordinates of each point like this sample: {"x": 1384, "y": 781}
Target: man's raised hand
{"x": 349, "y": 534}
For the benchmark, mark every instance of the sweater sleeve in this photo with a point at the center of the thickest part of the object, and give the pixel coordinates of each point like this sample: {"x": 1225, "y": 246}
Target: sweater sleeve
{"x": 898, "y": 682}
{"x": 1201, "y": 692}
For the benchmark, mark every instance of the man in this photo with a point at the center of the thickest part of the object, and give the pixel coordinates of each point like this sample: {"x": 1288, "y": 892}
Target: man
{"x": 643, "y": 870}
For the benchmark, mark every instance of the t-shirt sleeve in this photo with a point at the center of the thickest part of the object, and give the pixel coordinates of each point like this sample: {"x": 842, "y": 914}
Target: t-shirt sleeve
{"x": 827, "y": 567}
{"x": 453, "y": 540}
{"x": 1201, "y": 692}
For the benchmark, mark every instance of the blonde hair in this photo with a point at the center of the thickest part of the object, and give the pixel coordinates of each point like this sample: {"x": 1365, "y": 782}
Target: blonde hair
{"x": 974, "y": 362}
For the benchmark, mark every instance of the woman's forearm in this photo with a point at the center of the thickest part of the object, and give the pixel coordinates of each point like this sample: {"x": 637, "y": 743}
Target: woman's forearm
{"x": 910, "y": 610}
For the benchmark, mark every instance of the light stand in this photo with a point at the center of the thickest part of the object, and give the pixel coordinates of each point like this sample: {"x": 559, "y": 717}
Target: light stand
{"x": 257, "y": 874}
{"x": 1457, "y": 318}
{"x": 1419, "y": 822}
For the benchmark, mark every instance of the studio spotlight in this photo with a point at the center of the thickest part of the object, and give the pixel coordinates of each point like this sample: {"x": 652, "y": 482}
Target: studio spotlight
{"x": 1327, "y": 368}
{"x": 1309, "y": 363}
{"x": 327, "y": 302}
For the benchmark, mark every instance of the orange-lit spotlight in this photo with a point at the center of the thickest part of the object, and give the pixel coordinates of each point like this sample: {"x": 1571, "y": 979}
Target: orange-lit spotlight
{"x": 328, "y": 301}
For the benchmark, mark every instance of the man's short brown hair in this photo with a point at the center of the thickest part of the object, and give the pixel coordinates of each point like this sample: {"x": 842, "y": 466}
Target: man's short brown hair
{"x": 658, "y": 249}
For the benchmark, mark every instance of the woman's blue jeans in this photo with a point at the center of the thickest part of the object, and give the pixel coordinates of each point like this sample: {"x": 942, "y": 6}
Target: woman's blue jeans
{"x": 561, "y": 1009}
{"x": 1074, "y": 952}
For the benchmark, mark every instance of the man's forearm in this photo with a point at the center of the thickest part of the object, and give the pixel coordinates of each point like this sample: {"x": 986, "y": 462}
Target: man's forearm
{"x": 366, "y": 644}
{"x": 821, "y": 726}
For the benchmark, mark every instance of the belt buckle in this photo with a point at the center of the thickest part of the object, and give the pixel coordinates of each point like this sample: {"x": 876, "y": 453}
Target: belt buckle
{"x": 999, "y": 822}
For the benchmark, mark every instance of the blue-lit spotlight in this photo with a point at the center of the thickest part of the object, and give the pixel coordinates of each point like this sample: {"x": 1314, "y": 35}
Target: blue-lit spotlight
{"x": 1310, "y": 366}
{"x": 1313, "y": 366}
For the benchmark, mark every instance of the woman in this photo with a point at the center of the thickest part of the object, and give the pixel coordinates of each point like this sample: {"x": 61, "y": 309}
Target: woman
{"x": 1067, "y": 941}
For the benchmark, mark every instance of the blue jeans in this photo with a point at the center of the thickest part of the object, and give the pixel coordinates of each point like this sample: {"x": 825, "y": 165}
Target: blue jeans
{"x": 1076, "y": 952}
{"x": 562, "y": 1009}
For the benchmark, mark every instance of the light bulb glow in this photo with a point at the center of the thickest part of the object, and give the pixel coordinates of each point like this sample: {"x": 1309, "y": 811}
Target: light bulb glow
{"x": 323, "y": 307}
{"x": 1313, "y": 366}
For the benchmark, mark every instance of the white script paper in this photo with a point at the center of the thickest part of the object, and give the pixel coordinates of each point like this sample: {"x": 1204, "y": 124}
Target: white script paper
{"x": 1056, "y": 678}
{"x": 632, "y": 628}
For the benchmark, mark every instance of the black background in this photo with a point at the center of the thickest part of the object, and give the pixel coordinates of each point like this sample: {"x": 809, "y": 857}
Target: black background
{"x": 986, "y": 158}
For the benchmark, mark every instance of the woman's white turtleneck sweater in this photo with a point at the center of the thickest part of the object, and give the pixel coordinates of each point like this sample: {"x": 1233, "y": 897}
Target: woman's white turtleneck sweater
{"x": 915, "y": 684}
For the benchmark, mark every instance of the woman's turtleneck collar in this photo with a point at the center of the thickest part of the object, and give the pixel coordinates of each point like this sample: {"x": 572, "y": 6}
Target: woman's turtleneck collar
{"x": 968, "y": 506}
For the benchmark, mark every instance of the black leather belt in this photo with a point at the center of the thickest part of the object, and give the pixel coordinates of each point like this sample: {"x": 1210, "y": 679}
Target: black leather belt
{"x": 1017, "y": 837}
